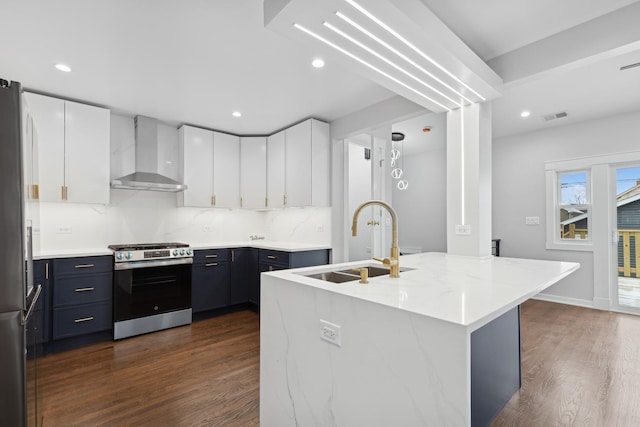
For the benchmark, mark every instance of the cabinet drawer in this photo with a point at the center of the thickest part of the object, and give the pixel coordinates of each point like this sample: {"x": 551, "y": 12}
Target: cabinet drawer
{"x": 82, "y": 289}
{"x": 210, "y": 255}
{"x": 275, "y": 257}
{"x": 83, "y": 265}
{"x": 86, "y": 319}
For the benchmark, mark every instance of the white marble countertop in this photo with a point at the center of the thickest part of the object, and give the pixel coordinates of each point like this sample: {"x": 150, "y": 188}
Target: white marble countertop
{"x": 261, "y": 244}
{"x": 467, "y": 291}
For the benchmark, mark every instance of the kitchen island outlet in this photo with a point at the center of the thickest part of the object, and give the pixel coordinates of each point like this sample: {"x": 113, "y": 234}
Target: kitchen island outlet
{"x": 439, "y": 345}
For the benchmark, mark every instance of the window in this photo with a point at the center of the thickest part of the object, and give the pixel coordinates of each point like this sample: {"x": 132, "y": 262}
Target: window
{"x": 573, "y": 205}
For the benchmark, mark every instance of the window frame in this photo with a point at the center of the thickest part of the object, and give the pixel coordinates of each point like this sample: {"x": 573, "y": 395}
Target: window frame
{"x": 554, "y": 205}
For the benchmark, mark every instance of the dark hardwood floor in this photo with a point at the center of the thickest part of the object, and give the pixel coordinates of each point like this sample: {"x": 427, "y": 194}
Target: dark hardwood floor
{"x": 581, "y": 367}
{"x": 205, "y": 374}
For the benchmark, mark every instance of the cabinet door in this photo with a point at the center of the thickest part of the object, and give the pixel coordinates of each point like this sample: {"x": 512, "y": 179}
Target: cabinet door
{"x": 196, "y": 148}
{"x": 253, "y": 172}
{"x": 298, "y": 164}
{"x": 226, "y": 170}
{"x": 275, "y": 170}
{"x": 210, "y": 286}
{"x": 87, "y": 153}
{"x": 320, "y": 163}
{"x": 48, "y": 118}
{"x": 244, "y": 274}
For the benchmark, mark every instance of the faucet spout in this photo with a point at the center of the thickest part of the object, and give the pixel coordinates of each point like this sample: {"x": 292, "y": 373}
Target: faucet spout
{"x": 394, "y": 257}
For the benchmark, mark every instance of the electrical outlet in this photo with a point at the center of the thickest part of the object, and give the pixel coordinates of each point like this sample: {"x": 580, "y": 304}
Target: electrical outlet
{"x": 463, "y": 230}
{"x": 63, "y": 229}
{"x": 330, "y": 332}
{"x": 532, "y": 220}
{"x": 319, "y": 228}
{"x": 207, "y": 228}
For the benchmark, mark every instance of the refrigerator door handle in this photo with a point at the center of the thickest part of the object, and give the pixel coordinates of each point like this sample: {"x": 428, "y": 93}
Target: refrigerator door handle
{"x": 34, "y": 301}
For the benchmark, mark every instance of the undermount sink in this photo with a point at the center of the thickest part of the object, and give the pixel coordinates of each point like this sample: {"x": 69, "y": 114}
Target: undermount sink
{"x": 341, "y": 276}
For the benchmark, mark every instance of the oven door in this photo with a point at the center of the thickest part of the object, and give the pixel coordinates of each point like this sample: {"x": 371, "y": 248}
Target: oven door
{"x": 146, "y": 288}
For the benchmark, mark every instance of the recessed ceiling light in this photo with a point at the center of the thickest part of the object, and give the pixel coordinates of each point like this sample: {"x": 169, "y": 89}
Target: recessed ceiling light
{"x": 63, "y": 67}
{"x": 317, "y": 63}
{"x": 525, "y": 113}
{"x": 236, "y": 114}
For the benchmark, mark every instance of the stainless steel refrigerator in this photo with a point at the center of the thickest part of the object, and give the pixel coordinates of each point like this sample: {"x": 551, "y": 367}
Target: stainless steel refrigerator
{"x": 18, "y": 296}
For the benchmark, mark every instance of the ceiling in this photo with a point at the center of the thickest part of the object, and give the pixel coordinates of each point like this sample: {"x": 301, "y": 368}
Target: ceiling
{"x": 198, "y": 62}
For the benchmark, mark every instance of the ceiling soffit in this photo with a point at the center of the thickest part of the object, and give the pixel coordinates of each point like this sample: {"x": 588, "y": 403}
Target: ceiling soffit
{"x": 400, "y": 45}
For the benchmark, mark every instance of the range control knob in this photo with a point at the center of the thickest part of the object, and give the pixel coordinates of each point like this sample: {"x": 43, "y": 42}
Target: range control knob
{"x": 182, "y": 252}
{"x": 129, "y": 255}
{"x": 175, "y": 252}
{"x": 188, "y": 251}
{"x": 119, "y": 256}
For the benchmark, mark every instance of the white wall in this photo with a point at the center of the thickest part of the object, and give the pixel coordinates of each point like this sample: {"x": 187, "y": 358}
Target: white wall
{"x": 519, "y": 191}
{"x": 422, "y": 207}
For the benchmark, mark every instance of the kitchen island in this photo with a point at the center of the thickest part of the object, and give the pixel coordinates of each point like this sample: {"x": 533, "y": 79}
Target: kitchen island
{"x": 438, "y": 346}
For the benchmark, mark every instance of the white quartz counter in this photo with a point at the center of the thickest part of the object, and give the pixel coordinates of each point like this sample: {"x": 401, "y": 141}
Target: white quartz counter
{"x": 260, "y": 244}
{"x": 263, "y": 244}
{"x": 466, "y": 291}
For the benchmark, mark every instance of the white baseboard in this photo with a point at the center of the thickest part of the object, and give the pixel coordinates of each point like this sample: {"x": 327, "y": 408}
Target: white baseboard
{"x": 565, "y": 300}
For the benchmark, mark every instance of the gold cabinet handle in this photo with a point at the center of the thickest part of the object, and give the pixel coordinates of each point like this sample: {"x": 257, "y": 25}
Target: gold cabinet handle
{"x": 233, "y": 256}
{"x": 88, "y": 289}
{"x": 241, "y": 201}
{"x": 271, "y": 257}
{"x": 271, "y": 268}
{"x": 211, "y": 256}
{"x": 62, "y": 192}
{"x": 266, "y": 202}
{"x": 84, "y": 319}
{"x": 284, "y": 200}
{"x": 211, "y": 264}
{"x": 85, "y": 265}
{"x": 46, "y": 270}
{"x": 213, "y": 200}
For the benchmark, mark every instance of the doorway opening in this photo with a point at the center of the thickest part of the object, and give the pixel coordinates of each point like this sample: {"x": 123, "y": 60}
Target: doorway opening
{"x": 628, "y": 235}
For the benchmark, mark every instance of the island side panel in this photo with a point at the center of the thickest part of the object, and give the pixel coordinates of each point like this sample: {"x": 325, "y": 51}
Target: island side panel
{"x": 495, "y": 366}
{"x": 393, "y": 368}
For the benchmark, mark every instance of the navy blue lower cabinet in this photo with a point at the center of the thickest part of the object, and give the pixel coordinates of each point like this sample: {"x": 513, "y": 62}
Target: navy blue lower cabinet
{"x": 210, "y": 286}
{"x": 42, "y": 273}
{"x": 244, "y": 274}
{"x": 495, "y": 366}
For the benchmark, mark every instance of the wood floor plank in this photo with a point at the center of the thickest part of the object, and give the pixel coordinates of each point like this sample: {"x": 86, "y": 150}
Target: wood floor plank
{"x": 580, "y": 367}
{"x": 204, "y": 374}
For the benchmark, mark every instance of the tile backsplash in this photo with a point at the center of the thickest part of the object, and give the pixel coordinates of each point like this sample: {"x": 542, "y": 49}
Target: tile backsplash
{"x": 145, "y": 216}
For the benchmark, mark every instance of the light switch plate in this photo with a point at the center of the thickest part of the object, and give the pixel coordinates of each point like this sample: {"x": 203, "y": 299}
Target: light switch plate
{"x": 463, "y": 229}
{"x": 532, "y": 220}
{"x": 207, "y": 228}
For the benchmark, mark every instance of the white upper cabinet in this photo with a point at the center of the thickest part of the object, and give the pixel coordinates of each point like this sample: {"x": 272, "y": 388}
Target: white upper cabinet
{"x": 298, "y": 166}
{"x": 73, "y": 149}
{"x": 196, "y": 153}
{"x": 210, "y": 168}
{"x": 226, "y": 170}
{"x": 275, "y": 170}
{"x": 253, "y": 171}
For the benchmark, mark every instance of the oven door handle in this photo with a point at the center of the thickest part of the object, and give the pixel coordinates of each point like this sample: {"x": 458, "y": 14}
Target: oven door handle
{"x": 147, "y": 264}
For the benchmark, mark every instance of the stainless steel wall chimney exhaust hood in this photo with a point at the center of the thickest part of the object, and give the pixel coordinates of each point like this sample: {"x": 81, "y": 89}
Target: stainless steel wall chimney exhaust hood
{"x": 146, "y": 176}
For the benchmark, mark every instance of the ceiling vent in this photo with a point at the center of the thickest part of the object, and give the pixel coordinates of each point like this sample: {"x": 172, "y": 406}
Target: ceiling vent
{"x": 548, "y": 117}
{"x": 626, "y": 67}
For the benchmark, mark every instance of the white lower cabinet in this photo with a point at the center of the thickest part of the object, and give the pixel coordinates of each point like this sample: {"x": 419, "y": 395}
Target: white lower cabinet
{"x": 73, "y": 150}
{"x": 253, "y": 172}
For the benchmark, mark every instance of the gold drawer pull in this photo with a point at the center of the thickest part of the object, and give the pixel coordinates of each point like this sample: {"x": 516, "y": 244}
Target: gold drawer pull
{"x": 271, "y": 257}
{"x": 85, "y": 265}
{"x": 84, "y": 319}
{"x": 211, "y": 256}
{"x": 211, "y": 264}
{"x": 84, "y": 289}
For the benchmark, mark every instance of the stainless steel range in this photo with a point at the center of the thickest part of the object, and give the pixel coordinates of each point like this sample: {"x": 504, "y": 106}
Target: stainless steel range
{"x": 152, "y": 287}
